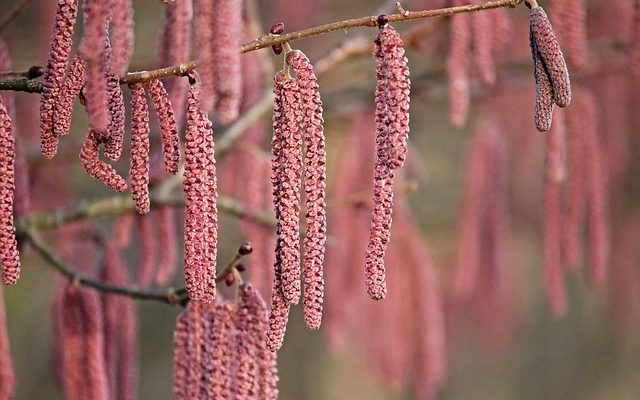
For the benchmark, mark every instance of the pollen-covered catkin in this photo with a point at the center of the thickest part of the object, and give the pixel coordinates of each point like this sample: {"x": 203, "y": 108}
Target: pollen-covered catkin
{"x": 548, "y": 50}
{"x": 113, "y": 139}
{"x": 544, "y": 105}
{"x": 168, "y": 126}
{"x": 70, "y": 90}
{"x": 8, "y": 243}
{"x": 315, "y": 160}
{"x": 200, "y": 203}
{"x": 122, "y": 37}
{"x": 139, "y": 170}
{"x": 59, "y": 51}
{"x": 457, "y": 68}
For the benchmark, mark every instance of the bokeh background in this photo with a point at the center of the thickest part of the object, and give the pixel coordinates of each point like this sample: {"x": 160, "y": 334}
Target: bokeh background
{"x": 592, "y": 352}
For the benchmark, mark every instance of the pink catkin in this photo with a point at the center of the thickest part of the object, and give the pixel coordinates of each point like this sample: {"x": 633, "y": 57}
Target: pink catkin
{"x": 7, "y": 375}
{"x": 200, "y": 203}
{"x": 556, "y": 165}
{"x": 168, "y": 126}
{"x": 8, "y": 243}
{"x": 98, "y": 169}
{"x": 139, "y": 170}
{"x": 69, "y": 92}
{"x": 113, "y": 138}
{"x": 167, "y": 249}
{"x": 267, "y": 368}
{"x": 228, "y": 28}
{"x": 180, "y": 355}
{"x": 122, "y": 35}
{"x": 175, "y": 46}
{"x": 634, "y": 51}
{"x": 596, "y": 193}
{"x": 93, "y": 51}
{"x": 146, "y": 251}
{"x": 393, "y": 84}
{"x": 59, "y": 51}
{"x": 458, "y": 75}
{"x": 543, "y": 113}
{"x": 195, "y": 349}
{"x": 483, "y": 46}
{"x": 205, "y": 45}
{"x": 549, "y": 52}
{"x": 218, "y": 352}
{"x": 315, "y": 160}
{"x": 289, "y": 190}
{"x": 553, "y": 270}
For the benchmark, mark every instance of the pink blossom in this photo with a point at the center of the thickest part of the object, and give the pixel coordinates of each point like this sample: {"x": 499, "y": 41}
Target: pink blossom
{"x": 168, "y": 127}
{"x": 60, "y": 49}
{"x": 113, "y": 138}
{"x": 245, "y": 378}
{"x": 544, "y": 91}
{"x": 206, "y": 42}
{"x": 69, "y": 92}
{"x": 218, "y": 352}
{"x": 557, "y": 151}
{"x": 314, "y": 187}
{"x": 98, "y": 169}
{"x": 146, "y": 251}
{"x": 139, "y": 170}
{"x": 8, "y": 243}
{"x": 483, "y": 46}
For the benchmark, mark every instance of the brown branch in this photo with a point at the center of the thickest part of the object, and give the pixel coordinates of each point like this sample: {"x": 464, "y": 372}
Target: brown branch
{"x": 169, "y": 295}
{"x": 17, "y": 10}
{"x": 121, "y": 204}
{"x": 33, "y": 86}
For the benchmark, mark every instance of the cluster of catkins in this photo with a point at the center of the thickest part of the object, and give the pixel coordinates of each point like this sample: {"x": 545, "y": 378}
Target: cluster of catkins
{"x": 550, "y": 69}
{"x": 297, "y": 120}
{"x": 220, "y": 350}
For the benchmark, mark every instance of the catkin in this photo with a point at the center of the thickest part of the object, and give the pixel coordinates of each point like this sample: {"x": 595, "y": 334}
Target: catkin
{"x": 59, "y": 51}
{"x": 8, "y": 243}
{"x": 139, "y": 169}
{"x": 457, "y": 72}
{"x": 122, "y": 36}
{"x": 98, "y": 169}
{"x": 70, "y": 90}
{"x": 315, "y": 160}
{"x": 168, "y": 126}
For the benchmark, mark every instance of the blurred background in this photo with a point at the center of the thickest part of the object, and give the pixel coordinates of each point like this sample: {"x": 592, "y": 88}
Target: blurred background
{"x": 508, "y": 347}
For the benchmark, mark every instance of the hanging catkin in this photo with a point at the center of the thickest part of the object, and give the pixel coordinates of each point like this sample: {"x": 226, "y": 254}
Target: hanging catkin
{"x": 8, "y": 243}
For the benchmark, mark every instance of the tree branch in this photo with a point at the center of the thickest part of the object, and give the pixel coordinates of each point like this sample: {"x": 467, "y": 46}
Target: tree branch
{"x": 34, "y": 86}
{"x": 169, "y": 295}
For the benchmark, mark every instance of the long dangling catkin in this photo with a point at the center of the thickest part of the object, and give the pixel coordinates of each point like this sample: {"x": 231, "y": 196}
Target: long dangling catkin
{"x": 69, "y": 92}
{"x": 7, "y": 375}
{"x": 556, "y": 165}
{"x": 576, "y": 32}
{"x": 543, "y": 114}
{"x": 122, "y": 37}
{"x": 245, "y": 378}
{"x": 289, "y": 190}
{"x": 139, "y": 170}
{"x": 457, "y": 73}
{"x": 98, "y": 169}
{"x": 548, "y": 50}
{"x": 279, "y": 314}
{"x": 168, "y": 126}
{"x": 228, "y": 28}
{"x": 315, "y": 160}
{"x": 8, "y": 243}
{"x": 59, "y": 51}
{"x": 200, "y": 203}
{"x": 93, "y": 51}
{"x": 113, "y": 139}
{"x": 146, "y": 251}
